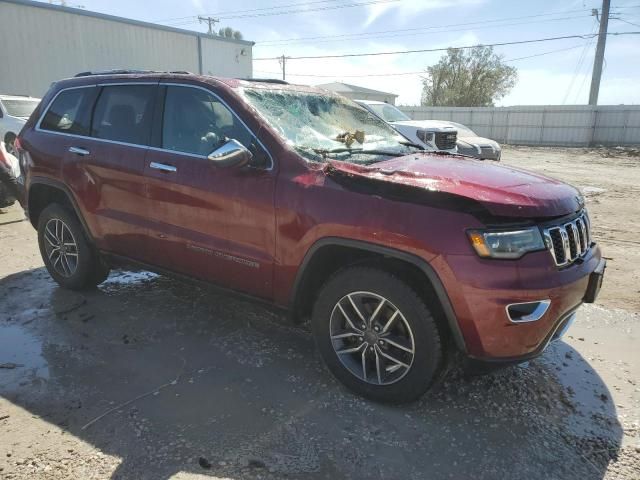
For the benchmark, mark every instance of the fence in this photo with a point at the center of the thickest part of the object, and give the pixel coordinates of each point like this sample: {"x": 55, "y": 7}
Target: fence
{"x": 579, "y": 125}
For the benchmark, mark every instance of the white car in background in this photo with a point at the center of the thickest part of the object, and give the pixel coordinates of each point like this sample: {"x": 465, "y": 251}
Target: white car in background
{"x": 469, "y": 143}
{"x": 9, "y": 172}
{"x": 430, "y": 134}
{"x": 14, "y": 113}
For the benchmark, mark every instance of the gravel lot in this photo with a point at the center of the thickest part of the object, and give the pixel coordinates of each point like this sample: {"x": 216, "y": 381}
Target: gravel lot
{"x": 149, "y": 378}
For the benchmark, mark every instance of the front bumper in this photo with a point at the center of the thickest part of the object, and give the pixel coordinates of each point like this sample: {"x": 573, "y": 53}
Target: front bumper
{"x": 480, "y": 291}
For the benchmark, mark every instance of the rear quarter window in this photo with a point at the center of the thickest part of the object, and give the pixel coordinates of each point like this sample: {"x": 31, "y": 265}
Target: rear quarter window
{"x": 69, "y": 112}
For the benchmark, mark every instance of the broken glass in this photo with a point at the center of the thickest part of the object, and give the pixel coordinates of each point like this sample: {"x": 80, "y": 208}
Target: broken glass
{"x": 322, "y": 126}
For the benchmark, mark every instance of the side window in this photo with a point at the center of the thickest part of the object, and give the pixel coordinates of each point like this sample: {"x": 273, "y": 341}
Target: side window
{"x": 69, "y": 112}
{"x": 197, "y": 122}
{"x": 124, "y": 113}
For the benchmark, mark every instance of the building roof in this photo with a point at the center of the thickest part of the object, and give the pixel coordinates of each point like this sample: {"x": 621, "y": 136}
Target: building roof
{"x": 130, "y": 21}
{"x": 340, "y": 87}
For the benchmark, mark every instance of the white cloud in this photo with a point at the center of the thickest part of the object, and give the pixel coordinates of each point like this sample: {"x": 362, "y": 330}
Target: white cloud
{"x": 408, "y": 9}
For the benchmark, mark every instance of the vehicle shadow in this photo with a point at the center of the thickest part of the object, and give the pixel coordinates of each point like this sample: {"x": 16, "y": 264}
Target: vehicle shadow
{"x": 173, "y": 378}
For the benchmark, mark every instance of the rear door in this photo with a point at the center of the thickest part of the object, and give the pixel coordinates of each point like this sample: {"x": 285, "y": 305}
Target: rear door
{"x": 105, "y": 166}
{"x": 210, "y": 222}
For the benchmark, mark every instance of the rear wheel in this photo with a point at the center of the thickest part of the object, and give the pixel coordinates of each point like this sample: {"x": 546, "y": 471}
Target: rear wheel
{"x": 67, "y": 255}
{"x": 376, "y": 335}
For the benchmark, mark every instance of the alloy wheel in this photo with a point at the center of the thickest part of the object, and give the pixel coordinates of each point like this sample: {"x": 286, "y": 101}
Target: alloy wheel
{"x": 372, "y": 338}
{"x": 61, "y": 247}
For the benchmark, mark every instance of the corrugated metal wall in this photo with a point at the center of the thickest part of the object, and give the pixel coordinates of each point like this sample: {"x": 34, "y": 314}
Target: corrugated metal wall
{"x": 40, "y": 44}
{"x": 579, "y": 125}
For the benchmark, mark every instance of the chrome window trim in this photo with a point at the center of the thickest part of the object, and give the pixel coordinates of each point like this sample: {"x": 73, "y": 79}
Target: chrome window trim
{"x": 198, "y": 87}
{"x": 38, "y": 127}
{"x": 73, "y": 135}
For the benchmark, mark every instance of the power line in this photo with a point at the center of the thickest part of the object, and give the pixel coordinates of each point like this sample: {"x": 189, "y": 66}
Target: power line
{"x": 272, "y": 7}
{"x": 426, "y": 50}
{"x": 356, "y": 35}
{"x": 581, "y": 60}
{"x": 420, "y": 72}
{"x": 440, "y": 31}
{"x": 625, "y": 21}
{"x": 299, "y": 10}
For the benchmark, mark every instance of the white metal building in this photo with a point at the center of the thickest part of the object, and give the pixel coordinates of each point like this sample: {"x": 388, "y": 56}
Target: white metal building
{"x": 41, "y": 43}
{"x": 355, "y": 92}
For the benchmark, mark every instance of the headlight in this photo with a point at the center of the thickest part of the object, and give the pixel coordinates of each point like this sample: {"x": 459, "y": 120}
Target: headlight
{"x": 506, "y": 244}
{"x": 424, "y": 135}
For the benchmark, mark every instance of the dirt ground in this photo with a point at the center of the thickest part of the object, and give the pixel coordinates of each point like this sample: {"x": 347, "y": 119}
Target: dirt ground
{"x": 610, "y": 181}
{"x": 149, "y": 378}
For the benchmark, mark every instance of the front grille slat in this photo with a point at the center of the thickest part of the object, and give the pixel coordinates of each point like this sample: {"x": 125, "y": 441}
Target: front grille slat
{"x": 446, "y": 140}
{"x": 570, "y": 241}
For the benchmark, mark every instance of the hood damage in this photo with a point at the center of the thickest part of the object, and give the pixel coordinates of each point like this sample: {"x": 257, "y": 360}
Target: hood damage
{"x": 455, "y": 183}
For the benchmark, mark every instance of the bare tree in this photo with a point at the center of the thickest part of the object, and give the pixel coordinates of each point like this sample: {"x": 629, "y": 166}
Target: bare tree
{"x": 473, "y": 78}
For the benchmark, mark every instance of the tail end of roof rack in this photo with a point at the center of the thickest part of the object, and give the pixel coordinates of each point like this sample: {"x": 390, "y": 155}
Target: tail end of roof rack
{"x": 128, "y": 72}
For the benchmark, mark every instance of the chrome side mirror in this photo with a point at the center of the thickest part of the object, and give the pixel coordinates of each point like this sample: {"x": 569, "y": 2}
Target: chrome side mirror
{"x": 231, "y": 154}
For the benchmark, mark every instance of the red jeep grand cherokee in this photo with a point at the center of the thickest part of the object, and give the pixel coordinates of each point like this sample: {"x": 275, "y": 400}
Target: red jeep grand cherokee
{"x": 301, "y": 198}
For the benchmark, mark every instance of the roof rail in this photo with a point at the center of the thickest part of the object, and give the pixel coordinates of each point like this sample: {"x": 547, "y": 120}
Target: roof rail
{"x": 265, "y": 80}
{"x": 127, "y": 72}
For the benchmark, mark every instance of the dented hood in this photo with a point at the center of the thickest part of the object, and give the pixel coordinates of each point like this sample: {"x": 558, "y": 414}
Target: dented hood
{"x": 503, "y": 191}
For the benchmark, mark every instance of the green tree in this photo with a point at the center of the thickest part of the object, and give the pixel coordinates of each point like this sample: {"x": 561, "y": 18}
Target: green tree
{"x": 476, "y": 77}
{"x": 229, "y": 32}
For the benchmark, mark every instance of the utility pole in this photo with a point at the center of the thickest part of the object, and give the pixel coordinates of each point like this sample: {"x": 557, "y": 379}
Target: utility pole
{"x": 599, "y": 59}
{"x": 211, "y": 21}
{"x": 283, "y": 62}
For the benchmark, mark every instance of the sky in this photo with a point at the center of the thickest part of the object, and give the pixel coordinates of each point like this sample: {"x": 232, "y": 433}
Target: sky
{"x": 317, "y": 27}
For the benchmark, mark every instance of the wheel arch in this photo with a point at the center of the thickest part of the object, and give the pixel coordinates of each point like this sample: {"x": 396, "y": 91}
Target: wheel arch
{"x": 329, "y": 254}
{"x": 44, "y": 191}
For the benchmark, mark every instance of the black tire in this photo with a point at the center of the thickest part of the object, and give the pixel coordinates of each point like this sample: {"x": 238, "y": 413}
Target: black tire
{"x": 9, "y": 140}
{"x": 427, "y": 349}
{"x": 89, "y": 269}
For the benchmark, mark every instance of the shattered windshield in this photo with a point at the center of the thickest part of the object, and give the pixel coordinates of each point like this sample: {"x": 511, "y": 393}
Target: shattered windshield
{"x": 321, "y": 126}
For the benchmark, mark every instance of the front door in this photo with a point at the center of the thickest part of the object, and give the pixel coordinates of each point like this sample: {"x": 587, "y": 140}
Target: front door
{"x": 211, "y": 222}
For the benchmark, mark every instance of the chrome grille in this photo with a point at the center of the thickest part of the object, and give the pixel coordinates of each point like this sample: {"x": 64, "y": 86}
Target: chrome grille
{"x": 569, "y": 241}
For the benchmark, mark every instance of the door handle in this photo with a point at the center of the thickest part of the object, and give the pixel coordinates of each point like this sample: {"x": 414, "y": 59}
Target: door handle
{"x": 79, "y": 151}
{"x": 163, "y": 167}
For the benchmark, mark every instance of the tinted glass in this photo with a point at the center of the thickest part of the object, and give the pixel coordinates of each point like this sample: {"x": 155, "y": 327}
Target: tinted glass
{"x": 124, "y": 113}
{"x": 197, "y": 122}
{"x": 20, "y": 108}
{"x": 68, "y": 113}
{"x": 388, "y": 113}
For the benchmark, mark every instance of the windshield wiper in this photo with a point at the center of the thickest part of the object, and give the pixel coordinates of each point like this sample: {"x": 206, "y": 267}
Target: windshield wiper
{"x": 357, "y": 151}
{"x": 411, "y": 144}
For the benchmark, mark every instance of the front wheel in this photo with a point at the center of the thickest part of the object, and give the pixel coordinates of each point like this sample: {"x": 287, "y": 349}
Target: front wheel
{"x": 66, "y": 253}
{"x": 376, "y": 335}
